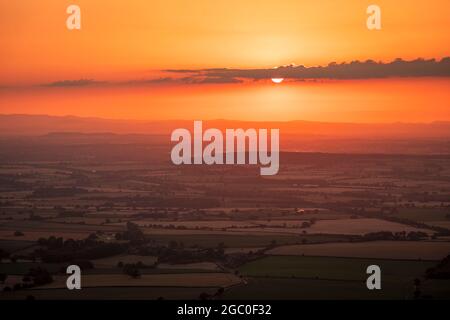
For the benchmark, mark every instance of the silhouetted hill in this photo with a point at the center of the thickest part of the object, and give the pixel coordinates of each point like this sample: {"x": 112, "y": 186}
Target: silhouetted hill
{"x": 43, "y": 124}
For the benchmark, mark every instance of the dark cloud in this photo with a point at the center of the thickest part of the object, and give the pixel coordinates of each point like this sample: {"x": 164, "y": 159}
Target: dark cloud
{"x": 348, "y": 70}
{"x": 72, "y": 83}
{"x": 211, "y": 80}
{"x": 194, "y": 79}
{"x": 149, "y": 81}
{"x": 353, "y": 70}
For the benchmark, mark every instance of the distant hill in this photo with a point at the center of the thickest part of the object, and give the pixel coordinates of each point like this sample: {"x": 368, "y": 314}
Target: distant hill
{"x": 14, "y": 125}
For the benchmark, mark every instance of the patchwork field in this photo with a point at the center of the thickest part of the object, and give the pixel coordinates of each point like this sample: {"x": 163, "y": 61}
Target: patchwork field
{"x": 411, "y": 250}
{"x": 338, "y": 226}
{"x": 313, "y": 289}
{"x": 144, "y": 229}
{"x": 113, "y": 293}
{"x": 151, "y": 280}
{"x": 331, "y": 278}
{"x": 342, "y": 268}
{"x": 360, "y": 226}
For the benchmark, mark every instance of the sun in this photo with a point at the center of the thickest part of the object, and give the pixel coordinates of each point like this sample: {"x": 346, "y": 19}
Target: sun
{"x": 277, "y": 80}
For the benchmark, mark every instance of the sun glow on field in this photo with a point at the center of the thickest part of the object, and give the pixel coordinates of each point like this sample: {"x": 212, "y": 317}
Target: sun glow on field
{"x": 277, "y": 80}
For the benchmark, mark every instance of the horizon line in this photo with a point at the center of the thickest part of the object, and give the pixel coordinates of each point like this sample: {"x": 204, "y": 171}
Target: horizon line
{"x": 218, "y": 119}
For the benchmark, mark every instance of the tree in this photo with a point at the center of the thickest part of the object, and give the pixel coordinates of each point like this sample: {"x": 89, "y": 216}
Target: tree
{"x": 305, "y": 224}
{"x": 133, "y": 233}
{"x": 40, "y": 276}
{"x": 219, "y": 292}
{"x": 132, "y": 271}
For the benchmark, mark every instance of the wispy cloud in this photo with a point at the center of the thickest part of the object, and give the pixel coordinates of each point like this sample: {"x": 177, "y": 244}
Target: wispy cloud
{"x": 194, "y": 79}
{"x": 73, "y": 83}
{"x": 368, "y": 69}
{"x": 352, "y": 70}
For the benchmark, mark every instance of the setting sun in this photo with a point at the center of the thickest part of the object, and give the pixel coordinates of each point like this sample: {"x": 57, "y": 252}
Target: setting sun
{"x": 277, "y": 80}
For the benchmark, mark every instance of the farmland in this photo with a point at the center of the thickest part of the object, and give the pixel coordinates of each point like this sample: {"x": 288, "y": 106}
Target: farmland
{"x": 350, "y": 269}
{"x": 141, "y": 228}
{"x": 409, "y": 250}
{"x": 202, "y": 280}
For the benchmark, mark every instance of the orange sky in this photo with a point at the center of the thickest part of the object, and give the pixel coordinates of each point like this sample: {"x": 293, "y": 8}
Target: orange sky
{"x": 124, "y": 40}
{"x": 382, "y": 100}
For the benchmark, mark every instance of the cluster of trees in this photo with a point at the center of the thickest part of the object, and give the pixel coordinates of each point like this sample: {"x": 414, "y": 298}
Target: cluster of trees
{"x": 308, "y": 224}
{"x": 57, "y": 250}
{"x": 132, "y": 233}
{"x": 388, "y": 235}
{"x": 39, "y": 276}
{"x": 441, "y": 270}
{"x": 138, "y": 265}
{"x": 439, "y": 230}
{"x": 35, "y": 277}
{"x": 175, "y": 252}
{"x": 416, "y": 224}
{"x": 237, "y": 259}
{"x": 131, "y": 270}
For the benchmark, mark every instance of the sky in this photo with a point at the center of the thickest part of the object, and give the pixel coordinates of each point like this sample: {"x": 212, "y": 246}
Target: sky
{"x": 125, "y": 48}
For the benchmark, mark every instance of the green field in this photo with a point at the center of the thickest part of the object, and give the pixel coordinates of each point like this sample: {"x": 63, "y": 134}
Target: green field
{"x": 289, "y": 277}
{"x": 22, "y": 268}
{"x": 333, "y": 268}
{"x": 422, "y": 214}
{"x": 110, "y": 293}
{"x": 149, "y": 271}
{"x": 310, "y": 289}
